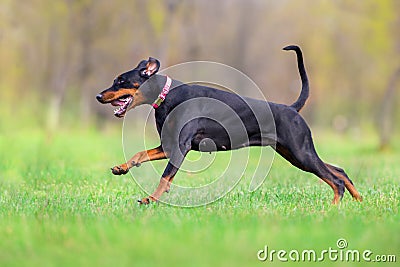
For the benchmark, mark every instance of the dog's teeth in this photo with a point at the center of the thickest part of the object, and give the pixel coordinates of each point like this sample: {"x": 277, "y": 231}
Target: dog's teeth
{"x": 123, "y": 106}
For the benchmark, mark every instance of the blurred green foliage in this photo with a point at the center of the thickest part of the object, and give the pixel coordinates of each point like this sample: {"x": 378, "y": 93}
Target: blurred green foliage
{"x": 56, "y": 55}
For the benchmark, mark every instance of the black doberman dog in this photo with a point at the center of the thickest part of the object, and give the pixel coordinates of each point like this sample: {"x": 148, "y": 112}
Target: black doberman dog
{"x": 203, "y": 125}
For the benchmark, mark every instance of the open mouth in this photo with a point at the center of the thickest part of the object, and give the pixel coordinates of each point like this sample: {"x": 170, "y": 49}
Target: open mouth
{"x": 123, "y": 104}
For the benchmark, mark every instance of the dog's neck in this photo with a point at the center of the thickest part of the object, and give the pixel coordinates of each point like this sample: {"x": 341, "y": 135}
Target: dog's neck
{"x": 153, "y": 87}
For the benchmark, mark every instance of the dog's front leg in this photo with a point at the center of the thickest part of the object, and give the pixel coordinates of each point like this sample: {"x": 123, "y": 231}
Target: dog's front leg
{"x": 140, "y": 157}
{"x": 172, "y": 168}
{"x": 163, "y": 186}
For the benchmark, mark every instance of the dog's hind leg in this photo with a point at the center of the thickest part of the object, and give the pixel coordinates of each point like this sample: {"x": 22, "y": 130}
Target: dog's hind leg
{"x": 307, "y": 160}
{"x": 340, "y": 173}
{"x": 310, "y": 162}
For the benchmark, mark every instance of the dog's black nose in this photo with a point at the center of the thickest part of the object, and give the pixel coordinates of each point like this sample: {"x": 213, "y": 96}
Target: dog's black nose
{"x": 99, "y": 97}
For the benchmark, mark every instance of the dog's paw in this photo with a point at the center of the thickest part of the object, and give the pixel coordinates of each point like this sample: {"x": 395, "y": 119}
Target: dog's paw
{"x": 147, "y": 200}
{"x": 144, "y": 201}
{"x": 120, "y": 169}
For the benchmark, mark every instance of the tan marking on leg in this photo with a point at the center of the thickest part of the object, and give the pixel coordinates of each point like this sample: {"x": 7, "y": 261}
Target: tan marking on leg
{"x": 162, "y": 187}
{"x": 148, "y": 155}
{"x": 138, "y": 158}
{"x": 336, "y": 197}
{"x": 350, "y": 187}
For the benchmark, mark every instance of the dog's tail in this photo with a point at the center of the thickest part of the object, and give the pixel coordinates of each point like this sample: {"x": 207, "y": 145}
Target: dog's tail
{"x": 298, "y": 105}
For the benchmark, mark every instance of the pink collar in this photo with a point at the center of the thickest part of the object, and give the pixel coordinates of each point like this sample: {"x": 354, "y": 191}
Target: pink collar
{"x": 163, "y": 94}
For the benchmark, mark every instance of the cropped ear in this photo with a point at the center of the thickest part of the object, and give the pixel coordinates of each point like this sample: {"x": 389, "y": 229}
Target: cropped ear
{"x": 151, "y": 68}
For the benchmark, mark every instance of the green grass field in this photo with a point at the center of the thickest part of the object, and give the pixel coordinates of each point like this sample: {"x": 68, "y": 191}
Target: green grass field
{"x": 61, "y": 206}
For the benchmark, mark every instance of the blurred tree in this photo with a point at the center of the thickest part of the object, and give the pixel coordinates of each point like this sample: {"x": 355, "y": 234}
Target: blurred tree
{"x": 54, "y": 28}
{"x": 385, "y": 114}
{"x": 86, "y": 32}
{"x": 160, "y": 17}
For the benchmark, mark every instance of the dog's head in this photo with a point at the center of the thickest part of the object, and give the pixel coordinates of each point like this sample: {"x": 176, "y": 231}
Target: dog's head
{"x": 125, "y": 92}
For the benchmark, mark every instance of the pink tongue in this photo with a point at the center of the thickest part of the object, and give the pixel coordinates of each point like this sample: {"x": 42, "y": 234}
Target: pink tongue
{"x": 117, "y": 103}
